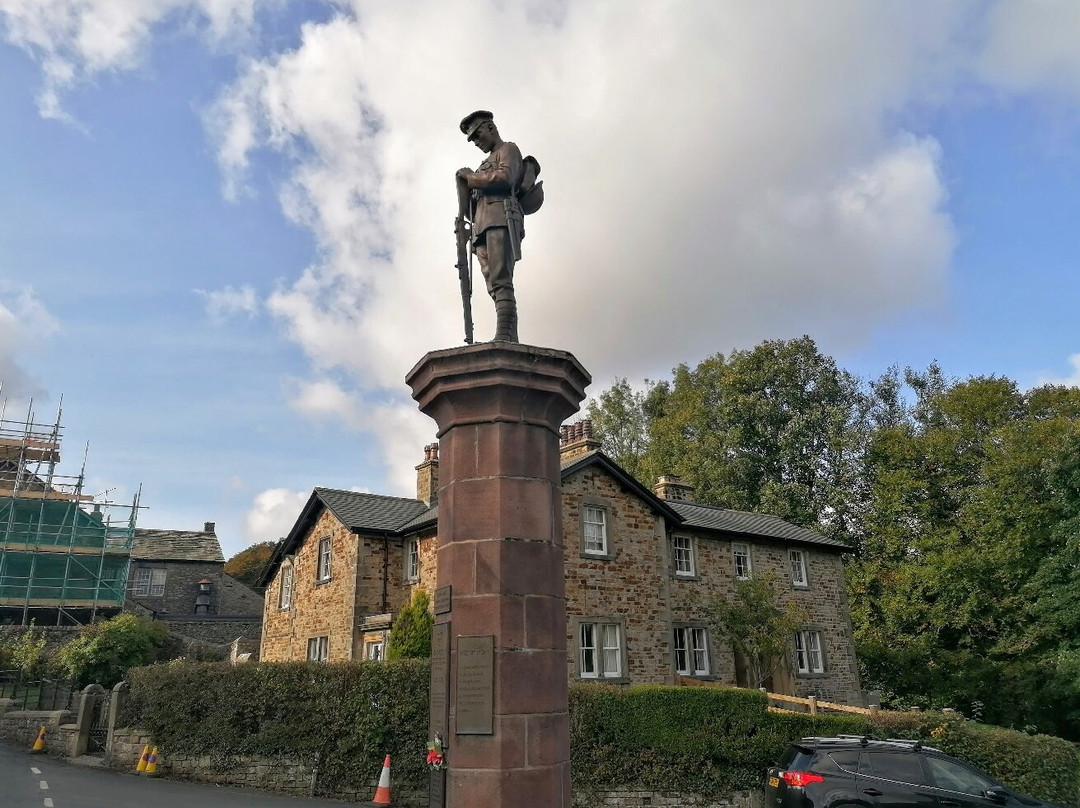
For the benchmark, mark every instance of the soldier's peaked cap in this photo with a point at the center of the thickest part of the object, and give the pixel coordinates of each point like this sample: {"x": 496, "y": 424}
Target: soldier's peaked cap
{"x": 472, "y": 121}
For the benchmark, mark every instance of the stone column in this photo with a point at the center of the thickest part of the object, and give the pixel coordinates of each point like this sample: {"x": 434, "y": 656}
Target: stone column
{"x": 498, "y": 407}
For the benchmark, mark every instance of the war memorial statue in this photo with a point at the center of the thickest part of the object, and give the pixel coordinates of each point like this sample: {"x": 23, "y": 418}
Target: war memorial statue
{"x": 492, "y": 204}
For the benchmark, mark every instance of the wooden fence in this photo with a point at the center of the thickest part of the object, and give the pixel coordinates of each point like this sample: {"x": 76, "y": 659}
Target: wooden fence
{"x": 803, "y": 705}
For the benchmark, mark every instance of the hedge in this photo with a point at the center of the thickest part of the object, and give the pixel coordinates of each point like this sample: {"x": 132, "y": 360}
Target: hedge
{"x": 350, "y": 714}
{"x": 677, "y": 739}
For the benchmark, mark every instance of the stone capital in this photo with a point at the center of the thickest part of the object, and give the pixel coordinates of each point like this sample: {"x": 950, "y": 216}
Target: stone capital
{"x": 496, "y": 382}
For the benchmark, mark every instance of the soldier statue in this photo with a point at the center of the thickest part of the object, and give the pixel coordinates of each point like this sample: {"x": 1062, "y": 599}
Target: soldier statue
{"x": 492, "y": 203}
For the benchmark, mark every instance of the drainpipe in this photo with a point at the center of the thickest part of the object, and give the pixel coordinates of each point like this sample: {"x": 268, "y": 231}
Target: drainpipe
{"x": 385, "y": 573}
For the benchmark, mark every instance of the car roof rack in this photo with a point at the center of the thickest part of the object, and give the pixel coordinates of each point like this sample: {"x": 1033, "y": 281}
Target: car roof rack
{"x": 865, "y": 740}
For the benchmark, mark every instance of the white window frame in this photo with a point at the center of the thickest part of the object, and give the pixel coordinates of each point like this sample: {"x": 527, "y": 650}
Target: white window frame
{"x": 741, "y": 549}
{"x": 600, "y": 525}
{"x": 325, "y": 557}
{"x": 149, "y": 582}
{"x": 318, "y": 648}
{"x": 797, "y": 562}
{"x": 285, "y": 595}
{"x": 683, "y": 556}
{"x": 412, "y": 560}
{"x": 600, "y": 650}
{"x": 809, "y": 657}
{"x": 692, "y": 651}
{"x": 140, "y": 586}
{"x": 374, "y": 650}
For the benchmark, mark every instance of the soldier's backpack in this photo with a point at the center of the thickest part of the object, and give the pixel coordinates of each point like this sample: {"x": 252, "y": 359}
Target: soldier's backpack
{"x": 530, "y": 193}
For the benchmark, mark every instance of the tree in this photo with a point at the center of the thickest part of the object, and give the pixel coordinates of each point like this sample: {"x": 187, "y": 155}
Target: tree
{"x": 776, "y": 429}
{"x": 621, "y": 424}
{"x": 410, "y": 636}
{"x": 247, "y": 566}
{"x": 757, "y": 623}
{"x": 103, "y": 652}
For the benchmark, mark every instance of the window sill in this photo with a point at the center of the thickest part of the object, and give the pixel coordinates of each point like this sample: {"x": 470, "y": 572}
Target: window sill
{"x": 323, "y": 581}
{"x": 800, "y": 586}
{"x": 821, "y": 675}
{"x": 598, "y": 556}
{"x": 605, "y": 680}
{"x": 687, "y": 576}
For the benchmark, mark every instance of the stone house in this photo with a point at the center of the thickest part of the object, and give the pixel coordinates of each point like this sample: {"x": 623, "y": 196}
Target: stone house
{"x": 178, "y": 577}
{"x": 639, "y": 564}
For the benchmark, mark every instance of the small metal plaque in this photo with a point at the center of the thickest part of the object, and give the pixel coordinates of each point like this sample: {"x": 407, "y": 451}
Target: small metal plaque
{"x": 437, "y": 789}
{"x": 475, "y": 685}
{"x": 440, "y": 680}
{"x": 442, "y": 599}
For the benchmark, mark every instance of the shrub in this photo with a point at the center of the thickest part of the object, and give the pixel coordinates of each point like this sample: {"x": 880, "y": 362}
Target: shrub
{"x": 103, "y": 652}
{"x": 26, "y": 653}
{"x": 350, "y": 714}
{"x": 410, "y": 637}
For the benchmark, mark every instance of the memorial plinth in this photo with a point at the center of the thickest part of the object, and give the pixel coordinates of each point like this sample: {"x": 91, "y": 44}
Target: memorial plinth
{"x": 498, "y": 407}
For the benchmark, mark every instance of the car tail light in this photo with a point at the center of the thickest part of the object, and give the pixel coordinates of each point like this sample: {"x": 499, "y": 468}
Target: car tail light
{"x": 802, "y": 778}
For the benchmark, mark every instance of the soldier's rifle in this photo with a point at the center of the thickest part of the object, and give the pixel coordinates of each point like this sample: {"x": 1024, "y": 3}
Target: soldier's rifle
{"x": 463, "y": 232}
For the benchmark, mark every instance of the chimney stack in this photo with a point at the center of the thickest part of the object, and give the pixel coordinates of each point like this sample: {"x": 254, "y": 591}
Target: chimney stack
{"x": 671, "y": 487}
{"x": 427, "y": 476}
{"x": 208, "y": 527}
{"x": 576, "y": 440}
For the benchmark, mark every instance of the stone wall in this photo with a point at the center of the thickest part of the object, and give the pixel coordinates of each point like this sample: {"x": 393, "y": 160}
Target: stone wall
{"x": 214, "y": 630}
{"x": 228, "y": 597}
{"x": 319, "y": 608}
{"x": 630, "y": 586}
{"x": 55, "y": 636}
{"x": 21, "y": 727}
{"x": 631, "y": 798}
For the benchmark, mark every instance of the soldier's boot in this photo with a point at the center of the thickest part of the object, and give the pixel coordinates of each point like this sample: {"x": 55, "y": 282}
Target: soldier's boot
{"x": 506, "y": 320}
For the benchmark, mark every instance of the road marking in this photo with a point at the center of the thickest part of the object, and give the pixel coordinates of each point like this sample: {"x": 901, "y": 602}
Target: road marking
{"x": 48, "y": 802}
{"x": 35, "y": 770}
{"x": 44, "y": 785}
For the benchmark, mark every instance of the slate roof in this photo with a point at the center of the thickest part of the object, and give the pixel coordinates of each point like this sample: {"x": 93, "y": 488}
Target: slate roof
{"x": 763, "y": 525}
{"x": 370, "y": 512}
{"x": 175, "y": 545}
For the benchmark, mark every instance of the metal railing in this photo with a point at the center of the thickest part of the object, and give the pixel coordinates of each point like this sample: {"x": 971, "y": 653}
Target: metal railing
{"x": 38, "y": 693}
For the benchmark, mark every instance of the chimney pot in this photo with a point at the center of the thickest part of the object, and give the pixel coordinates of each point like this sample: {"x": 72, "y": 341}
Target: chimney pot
{"x": 208, "y": 527}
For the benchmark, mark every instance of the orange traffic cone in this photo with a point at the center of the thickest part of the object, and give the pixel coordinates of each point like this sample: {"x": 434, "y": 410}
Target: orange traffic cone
{"x": 39, "y": 744}
{"x": 151, "y": 764}
{"x": 382, "y": 793}
{"x": 144, "y": 758}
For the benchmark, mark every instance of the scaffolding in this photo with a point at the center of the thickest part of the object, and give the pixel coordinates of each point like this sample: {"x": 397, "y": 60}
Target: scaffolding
{"x": 64, "y": 554}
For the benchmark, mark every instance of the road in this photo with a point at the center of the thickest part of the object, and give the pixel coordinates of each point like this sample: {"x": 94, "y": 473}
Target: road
{"x": 39, "y": 781}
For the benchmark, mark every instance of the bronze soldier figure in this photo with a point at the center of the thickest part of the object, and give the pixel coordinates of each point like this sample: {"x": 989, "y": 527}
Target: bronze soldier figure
{"x": 490, "y": 195}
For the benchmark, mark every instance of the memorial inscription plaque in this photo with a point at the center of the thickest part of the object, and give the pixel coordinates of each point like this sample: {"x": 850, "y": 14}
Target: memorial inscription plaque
{"x": 475, "y": 685}
{"x": 442, "y": 600}
{"x": 440, "y": 680}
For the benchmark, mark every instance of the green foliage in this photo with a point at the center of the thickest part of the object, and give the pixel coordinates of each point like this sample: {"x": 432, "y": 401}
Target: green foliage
{"x": 349, "y": 714}
{"x": 103, "y": 652}
{"x": 757, "y": 623}
{"x": 410, "y": 636}
{"x": 712, "y": 740}
{"x": 247, "y": 566}
{"x": 26, "y": 653}
{"x": 621, "y": 425}
{"x": 774, "y": 429}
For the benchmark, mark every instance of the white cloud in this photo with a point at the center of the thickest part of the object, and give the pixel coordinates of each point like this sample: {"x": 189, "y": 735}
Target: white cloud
{"x": 224, "y": 303}
{"x": 24, "y": 323}
{"x": 273, "y": 513}
{"x": 716, "y": 173}
{"x": 1072, "y": 380}
{"x": 75, "y": 40}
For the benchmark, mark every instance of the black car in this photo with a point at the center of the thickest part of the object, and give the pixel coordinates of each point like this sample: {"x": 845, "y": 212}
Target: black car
{"x": 849, "y": 771}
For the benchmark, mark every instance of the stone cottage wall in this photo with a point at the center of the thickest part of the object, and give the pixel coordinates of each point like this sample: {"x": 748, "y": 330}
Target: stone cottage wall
{"x": 631, "y": 586}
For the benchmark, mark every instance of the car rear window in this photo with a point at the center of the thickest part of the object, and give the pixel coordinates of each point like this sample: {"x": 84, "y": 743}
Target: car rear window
{"x": 901, "y": 766}
{"x": 796, "y": 759}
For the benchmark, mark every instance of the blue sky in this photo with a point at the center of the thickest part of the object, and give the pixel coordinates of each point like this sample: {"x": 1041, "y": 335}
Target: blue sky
{"x": 224, "y": 231}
